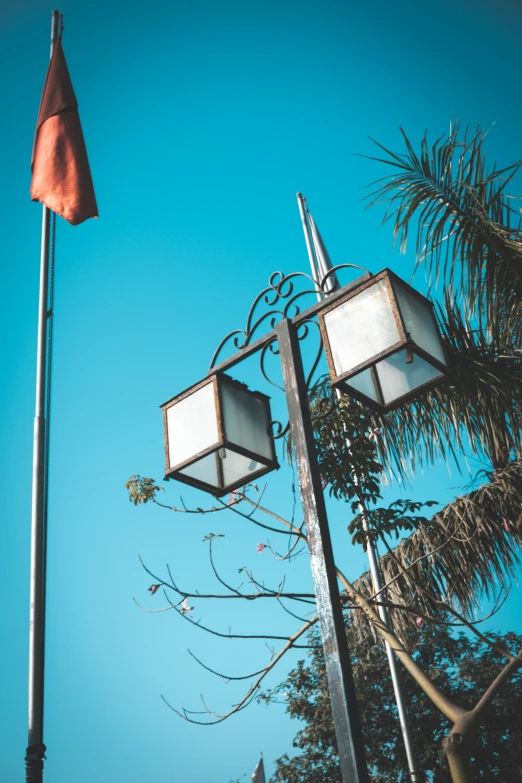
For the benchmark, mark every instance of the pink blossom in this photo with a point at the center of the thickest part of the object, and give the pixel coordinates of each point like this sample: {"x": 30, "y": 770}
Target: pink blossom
{"x": 232, "y": 498}
{"x": 419, "y": 622}
{"x": 185, "y": 608}
{"x": 375, "y": 434}
{"x": 324, "y": 483}
{"x": 505, "y": 525}
{"x": 154, "y": 588}
{"x": 260, "y": 547}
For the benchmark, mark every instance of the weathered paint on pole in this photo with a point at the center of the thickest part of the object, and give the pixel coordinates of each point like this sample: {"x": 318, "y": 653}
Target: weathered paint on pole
{"x": 337, "y": 658}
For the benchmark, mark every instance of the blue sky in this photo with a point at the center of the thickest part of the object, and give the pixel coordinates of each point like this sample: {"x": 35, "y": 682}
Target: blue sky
{"x": 202, "y": 120}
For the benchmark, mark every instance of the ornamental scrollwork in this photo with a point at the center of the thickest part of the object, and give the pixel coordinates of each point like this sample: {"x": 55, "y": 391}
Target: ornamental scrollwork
{"x": 277, "y": 301}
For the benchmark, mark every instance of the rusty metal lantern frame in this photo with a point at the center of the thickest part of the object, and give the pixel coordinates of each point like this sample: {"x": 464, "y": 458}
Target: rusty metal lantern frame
{"x": 218, "y": 380}
{"x": 405, "y": 342}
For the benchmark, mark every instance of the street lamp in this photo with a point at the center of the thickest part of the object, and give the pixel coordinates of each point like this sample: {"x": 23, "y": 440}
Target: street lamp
{"x": 375, "y": 320}
{"x": 218, "y": 435}
{"x": 382, "y": 342}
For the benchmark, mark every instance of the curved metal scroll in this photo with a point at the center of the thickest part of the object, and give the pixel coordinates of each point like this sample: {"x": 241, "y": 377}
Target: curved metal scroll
{"x": 278, "y": 431}
{"x": 280, "y": 291}
{"x": 325, "y": 406}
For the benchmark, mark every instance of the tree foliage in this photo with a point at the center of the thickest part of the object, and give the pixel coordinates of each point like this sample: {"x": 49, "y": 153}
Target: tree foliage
{"x": 460, "y": 666}
{"x": 464, "y": 553}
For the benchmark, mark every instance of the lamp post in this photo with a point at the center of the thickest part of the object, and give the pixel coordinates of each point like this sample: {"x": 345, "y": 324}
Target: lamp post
{"x": 321, "y": 265}
{"x": 219, "y": 434}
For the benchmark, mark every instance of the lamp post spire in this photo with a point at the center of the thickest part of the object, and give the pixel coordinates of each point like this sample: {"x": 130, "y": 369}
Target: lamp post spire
{"x": 320, "y": 262}
{"x": 301, "y": 201}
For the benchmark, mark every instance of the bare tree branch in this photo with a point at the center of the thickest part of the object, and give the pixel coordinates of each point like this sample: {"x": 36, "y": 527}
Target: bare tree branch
{"x": 248, "y": 697}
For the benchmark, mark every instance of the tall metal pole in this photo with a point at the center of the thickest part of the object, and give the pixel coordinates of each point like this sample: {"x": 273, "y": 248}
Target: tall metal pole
{"x": 337, "y": 658}
{"x": 394, "y": 670}
{"x": 393, "y": 663}
{"x": 36, "y": 748}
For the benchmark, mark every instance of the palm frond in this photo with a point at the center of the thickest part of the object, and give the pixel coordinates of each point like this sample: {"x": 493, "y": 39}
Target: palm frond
{"x": 478, "y": 408}
{"x": 465, "y": 553}
{"x": 468, "y": 231}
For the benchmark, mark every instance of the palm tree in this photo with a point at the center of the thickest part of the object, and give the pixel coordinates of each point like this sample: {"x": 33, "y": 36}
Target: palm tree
{"x": 468, "y": 239}
{"x": 468, "y": 232}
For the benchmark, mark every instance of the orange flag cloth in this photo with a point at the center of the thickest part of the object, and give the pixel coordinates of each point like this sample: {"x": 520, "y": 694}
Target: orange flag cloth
{"x": 61, "y": 174}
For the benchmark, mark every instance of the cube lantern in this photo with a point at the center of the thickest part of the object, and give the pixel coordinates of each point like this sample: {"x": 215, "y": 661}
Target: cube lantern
{"x": 218, "y": 435}
{"x": 382, "y": 342}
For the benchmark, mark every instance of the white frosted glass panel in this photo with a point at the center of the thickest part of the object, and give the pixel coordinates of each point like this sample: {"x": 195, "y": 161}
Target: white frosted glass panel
{"x": 245, "y": 420}
{"x": 204, "y": 470}
{"x": 363, "y": 382}
{"x": 361, "y": 328}
{"x": 192, "y": 425}
{"x": 419, "y": 322}
{"x": 398, "y": 378}
{"x": 237, "y": 469}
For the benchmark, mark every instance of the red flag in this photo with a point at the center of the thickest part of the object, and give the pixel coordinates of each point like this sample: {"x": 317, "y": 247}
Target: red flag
{"x": 61, "y": 174}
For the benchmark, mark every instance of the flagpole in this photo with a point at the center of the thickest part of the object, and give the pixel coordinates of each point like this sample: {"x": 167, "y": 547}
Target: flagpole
{"x": 372, "y": 554}
{"x": 36, "y": 748}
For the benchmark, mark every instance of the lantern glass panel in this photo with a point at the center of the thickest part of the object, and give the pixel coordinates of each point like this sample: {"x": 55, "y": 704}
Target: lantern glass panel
{"x": 245, "y": 422}
{"x": 361, "y": 328}
{"x": 364, "y": 382}
{"x": 192, "y": 424}
{"x": 236, "y": 467}
{"x": 419, "y": 321}
{"x": 399, "y": 378}
{"x": 203, "y": 470}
